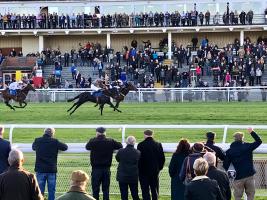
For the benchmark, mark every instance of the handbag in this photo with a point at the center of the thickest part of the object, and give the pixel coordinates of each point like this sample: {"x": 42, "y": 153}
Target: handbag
{"x": 231, "y": 172}
{"x": 188, "y": 176}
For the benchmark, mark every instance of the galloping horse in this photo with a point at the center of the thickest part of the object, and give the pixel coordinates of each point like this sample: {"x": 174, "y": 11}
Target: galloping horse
{"x": 20, "y": 97}
{"x": 87, "y": 96}
{"x": 123, "y": 91}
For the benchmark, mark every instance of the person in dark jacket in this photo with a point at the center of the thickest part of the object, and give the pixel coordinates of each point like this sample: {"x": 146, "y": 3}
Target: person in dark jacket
{"x": 151, "y": 162}
{"x": 177, "y": 186}
{"x": 47, "y": 148}
{"x": 218, "y": 150}
{"x": 5, "y": 148}
{"x": 187, "y": 167}
{"x": 127, "y": 174}
{"x": 101, "y": 154}
{"x": 202, "y": 187}
{"x": 218, "y": 175}
{"x": 17, "y": 183}
{"x": 240, "y": 155}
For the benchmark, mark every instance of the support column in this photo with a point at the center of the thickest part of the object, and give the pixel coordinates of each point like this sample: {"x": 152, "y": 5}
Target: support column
{"x": 108, "y": 41}
{"x": 41, "y": 43}
{"x": 169, "y": 45}
{"x": 241, "y": 38}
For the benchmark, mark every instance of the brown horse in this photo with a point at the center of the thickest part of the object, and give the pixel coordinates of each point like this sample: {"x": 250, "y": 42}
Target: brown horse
{"x": 20, "y": 97}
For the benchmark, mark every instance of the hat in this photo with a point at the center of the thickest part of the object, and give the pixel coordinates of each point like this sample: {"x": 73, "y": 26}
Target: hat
{"x": 100, "y": 130}
{"x": 79, "y": 176}
{"x": 210, "y": 135}
{"x": 198, "y": 147}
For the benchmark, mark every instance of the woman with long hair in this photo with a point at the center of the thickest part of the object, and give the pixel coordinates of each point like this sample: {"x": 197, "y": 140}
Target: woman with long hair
{"x": 177, "y": 186}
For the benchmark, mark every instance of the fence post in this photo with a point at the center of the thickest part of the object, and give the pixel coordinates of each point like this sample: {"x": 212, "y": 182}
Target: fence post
{"x": 225, "y": 133}
{"x": 182, "y": 96}
{"x": 123, "y": 134}
{"x": 228, "y": 95}
{"x": 139, "y": 95}
{"x": 11, "y": 134}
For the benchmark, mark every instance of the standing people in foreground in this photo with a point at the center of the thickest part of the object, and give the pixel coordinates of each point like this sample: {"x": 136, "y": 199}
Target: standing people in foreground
{"x": 151, "y": 162}
{"x": 79, "y": 180}
{"x": 218, "y": 175}
{"x": 101, "y": 154}
{"x": 127, "y": 173}
{"x": 47, "y": 148}
{"x": 5, "y": 148}
{"x": 202, "y": 187}
{"x": 177, "y": 186}
{"x": 16, "y": 183}
{"x": 240, "y": 155}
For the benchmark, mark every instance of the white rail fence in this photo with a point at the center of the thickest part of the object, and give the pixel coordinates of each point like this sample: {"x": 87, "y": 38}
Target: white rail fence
{"x": 168, "y": 147}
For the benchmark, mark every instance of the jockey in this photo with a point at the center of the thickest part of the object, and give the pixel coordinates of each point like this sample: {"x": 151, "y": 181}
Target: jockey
{"x": 14, "y": 87}
{"x": 115, "y": 86}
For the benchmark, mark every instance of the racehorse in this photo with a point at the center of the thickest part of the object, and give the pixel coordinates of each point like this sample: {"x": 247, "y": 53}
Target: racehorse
{"x": 20, "y": 97}
{"x": 123, "y": 91}
{"x": 87, "y": 96}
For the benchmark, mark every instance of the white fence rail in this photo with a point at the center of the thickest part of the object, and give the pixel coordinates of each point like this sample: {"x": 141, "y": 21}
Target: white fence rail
{"x": 168, "y": 147}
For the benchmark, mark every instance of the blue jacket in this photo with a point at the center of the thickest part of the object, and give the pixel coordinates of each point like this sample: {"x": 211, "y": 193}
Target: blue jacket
{"x": 47, "y": 149}
{"x": 4, "y": 151}
{"x": 240, "y": 155}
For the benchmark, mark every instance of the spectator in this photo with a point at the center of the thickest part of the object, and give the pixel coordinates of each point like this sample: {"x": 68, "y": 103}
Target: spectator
{"x": 177, "y": 186}
{"x": 79, "y": 180}
{"x": 5, "y": 148}
{"x": 240, "y": 155}
{"x": 127, "y": 173}
{"x": 47, "y": 148}
{"x": 218, "y": 150}
{"x": 17, "y": 183}
{"x": 101, "y": 153}
{"x": 218, "y": 175}
{"x": 202, "y": 187}
{"x": 151, "y": 162}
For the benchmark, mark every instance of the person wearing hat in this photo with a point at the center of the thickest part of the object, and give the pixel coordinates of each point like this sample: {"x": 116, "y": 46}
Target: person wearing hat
{"x": 77, "y": 191}
{"x": 240, "y": 154}
{"x": 187, "y": 171}
{"x": 151, "y": 162}
{"x": 47, "y": 148}
{"x": 101, "y": 151}
{"x": 14, "y": 87}
{"x": 211, "y": 144}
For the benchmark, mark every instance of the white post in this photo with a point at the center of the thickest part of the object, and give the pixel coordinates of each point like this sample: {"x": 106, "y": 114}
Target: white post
{"x": 241, "y": 38}
{"x": 123, "y": 134}
{"x": 225, "y": 134}
{"x": 11, "y": 134}
{"x": 169, "y": 45}
{"x": 108, "y": 41}
{"x": 41, "y": 43}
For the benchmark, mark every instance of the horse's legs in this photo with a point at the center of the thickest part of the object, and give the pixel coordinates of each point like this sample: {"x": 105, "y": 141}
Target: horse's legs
{"x": 78, "y": 104}
{"x": 6, "y": 102}
{"x": 72, "y": 107}
{"x": 20, "y": 103}
{"x": 117, "y": 104}
{"x": 101, "y": 108}
{"x": 112, "y": 106}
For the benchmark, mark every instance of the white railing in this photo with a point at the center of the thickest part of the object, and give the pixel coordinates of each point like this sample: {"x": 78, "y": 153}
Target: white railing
{"x": 168, "y": 147}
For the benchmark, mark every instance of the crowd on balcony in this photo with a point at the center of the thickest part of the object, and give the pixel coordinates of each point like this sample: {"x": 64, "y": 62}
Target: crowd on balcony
{"x": 142, "y": 19}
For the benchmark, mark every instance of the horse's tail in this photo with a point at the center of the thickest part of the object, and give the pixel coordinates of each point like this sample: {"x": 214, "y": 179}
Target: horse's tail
{"x": 72, "y": 99}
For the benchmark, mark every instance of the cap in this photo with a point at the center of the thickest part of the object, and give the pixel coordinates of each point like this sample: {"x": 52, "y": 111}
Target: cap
{"x": 101, "y": 130}
{"x": 79, "y": 176}
{"x": 210, "y": 135}
{"x": 198, "y": 147}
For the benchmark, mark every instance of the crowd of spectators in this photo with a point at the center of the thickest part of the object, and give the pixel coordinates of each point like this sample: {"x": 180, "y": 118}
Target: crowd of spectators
{"x": 193, "y": 170}
{"x": 119, "y": 20}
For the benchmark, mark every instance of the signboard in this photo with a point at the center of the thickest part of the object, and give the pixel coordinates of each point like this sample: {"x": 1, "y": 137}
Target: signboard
{"x": 18, "y": 75}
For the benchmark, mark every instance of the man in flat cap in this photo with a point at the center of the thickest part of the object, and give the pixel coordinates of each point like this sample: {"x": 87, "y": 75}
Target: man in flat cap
{"x": 101, "y": 151}
{"x": 79, "y": 180}
{"x": 240, "y": 155}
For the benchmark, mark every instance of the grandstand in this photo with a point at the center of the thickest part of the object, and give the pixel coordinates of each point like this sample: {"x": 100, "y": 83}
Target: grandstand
{"x": 155, "y": 44}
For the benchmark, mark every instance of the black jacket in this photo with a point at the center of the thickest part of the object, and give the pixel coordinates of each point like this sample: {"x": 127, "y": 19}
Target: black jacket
{"x": 218, "y": 150}
{"x": 240, "y": 155}
{"x": 102, "y": 150}
{"x": 203, "y": 189}
{"x": 152, "y": 157}
{"x": 47, "y": 149}
{"x": 4, "y": 151}
{"x": 222, "y": 180}
{"x": 128, "y": 164}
